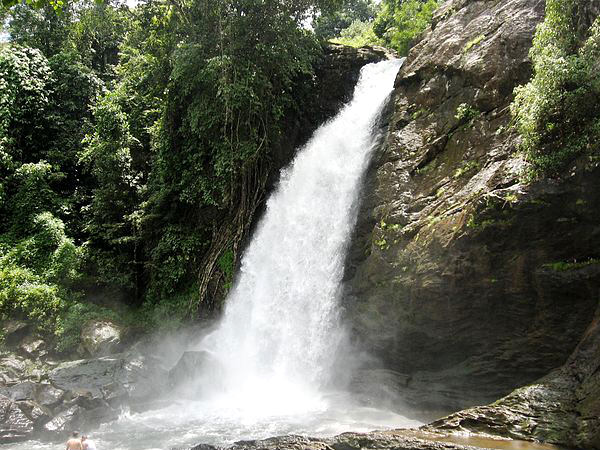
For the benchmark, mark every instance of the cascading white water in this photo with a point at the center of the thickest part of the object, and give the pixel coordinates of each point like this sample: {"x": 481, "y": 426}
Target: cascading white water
{"x": 278, "y": 338}
{"x": 279, "y": 334}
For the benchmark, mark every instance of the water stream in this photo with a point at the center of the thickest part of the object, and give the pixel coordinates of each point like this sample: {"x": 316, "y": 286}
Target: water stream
{"x": 276, "y": 344}
{"x": 273, "y": 353}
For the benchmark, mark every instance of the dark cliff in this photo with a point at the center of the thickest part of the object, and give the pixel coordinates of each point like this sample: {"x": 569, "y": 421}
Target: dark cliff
{"x": 464, "y": 279}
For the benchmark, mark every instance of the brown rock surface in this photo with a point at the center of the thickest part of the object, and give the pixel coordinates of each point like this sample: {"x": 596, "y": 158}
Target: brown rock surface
{"x": 465, "y": 280}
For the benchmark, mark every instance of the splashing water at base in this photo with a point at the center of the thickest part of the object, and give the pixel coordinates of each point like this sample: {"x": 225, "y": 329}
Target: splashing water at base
{"x": 274, "y": 350}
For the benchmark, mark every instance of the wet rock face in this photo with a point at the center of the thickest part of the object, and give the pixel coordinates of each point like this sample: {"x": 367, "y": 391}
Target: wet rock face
{"x": 37, "y": 399}
{"x": 562, "y": 407}
{"x": 452, "y": 278}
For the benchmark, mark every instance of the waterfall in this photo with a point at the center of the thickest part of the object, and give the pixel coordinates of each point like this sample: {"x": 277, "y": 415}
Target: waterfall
{"x": 277, "y": 339}
{"x": 271, "y": 358}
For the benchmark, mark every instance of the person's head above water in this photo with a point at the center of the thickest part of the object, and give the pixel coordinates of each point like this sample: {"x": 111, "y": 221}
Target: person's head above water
{"x": 75, "y": 434}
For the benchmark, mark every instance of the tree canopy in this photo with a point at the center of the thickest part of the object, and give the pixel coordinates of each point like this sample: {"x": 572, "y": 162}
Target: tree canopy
{"x": 136, "y": 143}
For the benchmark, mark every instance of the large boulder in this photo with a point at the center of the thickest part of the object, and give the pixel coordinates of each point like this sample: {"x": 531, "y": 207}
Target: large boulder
{"x": 12, "y": 368}
{"x": 67, "y": 420}
{"x": 49, "y": 396}
{"x": 115, "y": 379}
{"x": 14, "y": 424}
{"x": 21, "y": 391}
{"x": 100, "y": 338}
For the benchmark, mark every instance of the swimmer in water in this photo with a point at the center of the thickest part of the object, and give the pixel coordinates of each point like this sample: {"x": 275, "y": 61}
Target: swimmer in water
{"x": 74, "y": 443}
{"x": 88, "y": 444}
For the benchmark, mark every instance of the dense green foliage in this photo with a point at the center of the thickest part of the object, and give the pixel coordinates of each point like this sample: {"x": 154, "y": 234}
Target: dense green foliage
{"x": 135, "y": 147}
{"x": 44, "y": 108}
{"x": 331, "y": 24}
{"x": 558, "y": 112}
{"x": 358, "y": 34}
{"x": 400, "y": 22}
{"x": 395, "y": 24}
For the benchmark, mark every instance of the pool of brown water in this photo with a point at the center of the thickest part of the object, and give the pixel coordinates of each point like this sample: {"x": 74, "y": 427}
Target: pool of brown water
{"x": 480, "y": 441}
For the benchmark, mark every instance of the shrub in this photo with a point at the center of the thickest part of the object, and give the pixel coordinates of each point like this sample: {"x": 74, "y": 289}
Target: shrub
{"x": 47, "y": 252}
{"x": 358, "y": 34}
{"x": 400, "y": 23}
{"x": 558, "y": 113}
{"x": 25, "y": 295}
{"x": 35, "y": 273}
{"x": 466, "y": 113}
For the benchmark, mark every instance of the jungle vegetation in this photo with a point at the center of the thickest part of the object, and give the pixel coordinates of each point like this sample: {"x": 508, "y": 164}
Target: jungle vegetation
{"x": 136, "y": 143}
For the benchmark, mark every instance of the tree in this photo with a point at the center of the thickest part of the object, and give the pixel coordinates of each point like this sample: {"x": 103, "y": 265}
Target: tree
{"x": 26, "y": 77}
{"x": 401, "y": 21}
{"x": 98, "y": 33}
{"x": 40, "y": 27}
{"x": 557, "y": 112}
{"x": 330, "y": 24}
{"x": 110, "y": 224}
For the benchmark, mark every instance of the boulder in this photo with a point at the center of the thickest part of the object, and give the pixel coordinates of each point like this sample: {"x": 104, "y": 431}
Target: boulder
{"x": 145, "y": 378}
{"x": 48, "y": 395}
{"x": 100, "y": 338}
{"x": 97, "y": 377}
{"x": 12, "y": 368}
{"x": 189, "y": 367}
{"x": 14, "y": 424}
{"x": 14, "y": 331}
{"x": 37, "y": 414}
{"x": 113, "y": 379}
{"x": 22, "y": 391}
{"x": 67, "y": 420}
{"x": 33, "y": 347}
